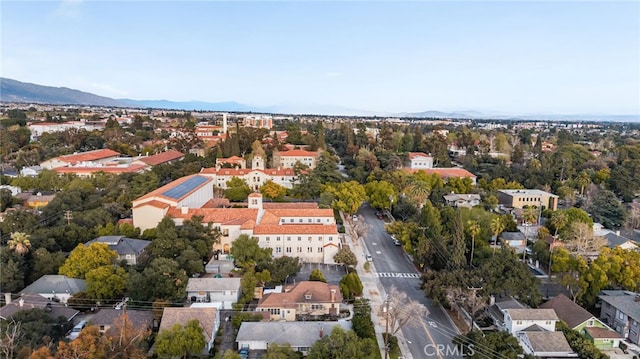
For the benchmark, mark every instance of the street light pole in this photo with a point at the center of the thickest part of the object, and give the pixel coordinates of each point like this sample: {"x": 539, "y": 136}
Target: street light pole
{"x": 386, "y": 331}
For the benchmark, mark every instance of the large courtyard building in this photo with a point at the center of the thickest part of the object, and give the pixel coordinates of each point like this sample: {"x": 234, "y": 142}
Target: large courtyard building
{"x": 290, "y": 229}
{"x": 519, "y": 198}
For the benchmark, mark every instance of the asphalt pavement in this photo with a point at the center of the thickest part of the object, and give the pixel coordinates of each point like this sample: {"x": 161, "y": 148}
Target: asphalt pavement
{"x": 430, "y": 336}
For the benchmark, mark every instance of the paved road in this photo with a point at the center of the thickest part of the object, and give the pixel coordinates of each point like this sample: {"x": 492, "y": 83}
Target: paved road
{"x": 393, "y": 267}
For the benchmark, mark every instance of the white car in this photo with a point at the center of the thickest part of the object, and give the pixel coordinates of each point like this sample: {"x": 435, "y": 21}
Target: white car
{"x": 369, "y": 258}
{"x": 75, "y": 332}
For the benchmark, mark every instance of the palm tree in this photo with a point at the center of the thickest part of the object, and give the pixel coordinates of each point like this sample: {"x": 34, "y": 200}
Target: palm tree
{"x": 19, "y": 243}
{"x": 559, "y": 220}
{"x": 497, "y": 227}
{"x": 419, "y": 191}
{"x": 474, "y": 230}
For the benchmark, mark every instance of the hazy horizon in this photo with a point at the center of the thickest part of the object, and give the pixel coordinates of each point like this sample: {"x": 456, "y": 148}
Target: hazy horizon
{"x": 387, "y": 57}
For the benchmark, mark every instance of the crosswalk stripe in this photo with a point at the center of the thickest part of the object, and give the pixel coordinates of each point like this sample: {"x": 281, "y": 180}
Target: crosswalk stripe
{"x": 397, "y": 275}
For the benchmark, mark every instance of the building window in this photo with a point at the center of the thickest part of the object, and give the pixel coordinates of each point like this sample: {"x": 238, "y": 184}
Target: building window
{"x": 299, "y": 249}
{"x": 320, "y": 238}
{"x": 330, "y": 238}
{"x": 299, "y": 238}
{"x": 519, "y": 322}
{"x": 278, "y": 249}
{"x": 317, "y": 306}
{"x": 268, "y": 239}
{"x": 278, "y": 239}
{"x": 309, "y": 238}
{"x": 288, "y": 238}
{"x": 300, "y": 220}
{"x": 319, "y": 249}
{"x": 288, "y": 249}
{"x": 620, "y": 315}
{"x": 318, "y": 220}
{"x": 309, "y": 250}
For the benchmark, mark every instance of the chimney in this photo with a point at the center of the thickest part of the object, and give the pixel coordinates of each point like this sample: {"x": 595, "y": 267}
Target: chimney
{"x": 7, "y": 298}
{"x": 184, "y": 210}
{"x": 20, "y": 302}
{"x": 333, "y": 295}
{"x": 321, "y": 332}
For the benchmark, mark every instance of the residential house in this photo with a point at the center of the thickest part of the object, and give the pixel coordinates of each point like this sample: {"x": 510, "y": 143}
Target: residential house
{"x": 497, "y": 310}
{"x": 226, "y": 291}
{"x": 209, "y": 319}
{"x": 535, "y": 331}
{"x": 105, "y": 318}
{"x": 305, "y": 300}
{"x": 159, "y": 158}
{"x": 519, "y": 198}
{"x": 545, "y": 344}
{"x": 516, "y": 320}
{"x": 13, "y": 189}
{"x": 38, "y": 200}
{"x": 580, "y": 320}
{"x": 36, "y": 301}
{"x": 614, "y": 240}
{"x": 620, "y": 309}
{"x": 128, "y": 249}
{"x": 288, "y": 159}
{"x": 446, "y": 173}
{"x": 30, "y": 171}
{"x": 55, "y": 287}
{"x": 462, "y": 200}
{"x": 420, "y": 160}
{"x": 299, "y": 335}
{"x": 514, "y": 240}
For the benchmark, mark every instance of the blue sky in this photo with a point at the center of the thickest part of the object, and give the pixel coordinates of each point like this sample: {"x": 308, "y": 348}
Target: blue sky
{"x": 510, "y": 56}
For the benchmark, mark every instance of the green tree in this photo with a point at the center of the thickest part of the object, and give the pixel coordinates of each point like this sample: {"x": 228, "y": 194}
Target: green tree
{"x": 497, "y": 226}
{"x": 237, "y": 190}
{"x": 579, "y": 344}
{"x": 272, "y": 190}
{"x": 247, "y": 252}
{"x": 280, "y": 268}
{"x": 362, "y": 324}
{"x": 381, "y": 194}
{"x": 162, "y": 278}
{"x": 351, "y": 286}
{"x": 341, "y": 344}
{"x": 230, "y": 354}
{"x": 6, "y": 199}
{"x": 83, "y": 259}
{"x": 478, "y": 345}
{"x": 276, "y": 351}
{"x": 179, "y": 341}
{"x": 458, "y": 245}
{"x": 45, "y": 262}
{"x": 346, "y": 256}
{"x": 348, "y": 196}
{"x": 106, "y": 282}
{"x": 606, "y": 209}
{"x": 317, "y": 276}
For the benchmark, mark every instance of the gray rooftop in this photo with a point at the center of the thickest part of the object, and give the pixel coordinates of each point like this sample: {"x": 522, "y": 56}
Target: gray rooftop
{"x": 298, "y": 334}
{"x": 212, "y": 284}
{"x": 138, "y": 318}
{"x": 614, "y": 240}
{"x": 36, "y": 301}
{"x": 625, "y": 301}
{"x": 51, "y": 283}
{"x": 532, "y": 314}
{"x": 121, "y": 244}
{"x": 548, "y": 342}
{"x": 526, "y": 192}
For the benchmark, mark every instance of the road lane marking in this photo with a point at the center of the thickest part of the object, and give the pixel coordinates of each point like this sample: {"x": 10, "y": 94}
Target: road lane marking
{"x": 397, "y": 275}
{"x": 426, "y": 330}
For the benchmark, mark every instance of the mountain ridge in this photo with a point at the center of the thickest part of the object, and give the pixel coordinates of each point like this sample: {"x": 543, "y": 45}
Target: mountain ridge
{"x": 24, "y": 92}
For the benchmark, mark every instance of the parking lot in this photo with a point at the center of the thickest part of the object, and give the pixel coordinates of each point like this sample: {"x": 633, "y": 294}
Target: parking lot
{"x": 332, "y": 272}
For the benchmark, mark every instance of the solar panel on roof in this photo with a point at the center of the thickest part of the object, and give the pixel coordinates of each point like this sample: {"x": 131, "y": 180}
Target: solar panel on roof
{"x": 185, "y": 187}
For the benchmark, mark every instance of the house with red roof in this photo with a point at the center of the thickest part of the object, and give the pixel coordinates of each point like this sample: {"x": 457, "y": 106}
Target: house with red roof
{"x": 93, "y": 158}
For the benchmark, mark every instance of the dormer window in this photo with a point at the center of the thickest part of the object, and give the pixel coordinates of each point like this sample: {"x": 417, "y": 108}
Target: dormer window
{"x": 307, "y": 296}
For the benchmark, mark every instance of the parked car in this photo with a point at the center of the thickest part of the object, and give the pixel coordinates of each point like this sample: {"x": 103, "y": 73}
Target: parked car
{"x": 397, "y": 242}
{"x": 379, "y": 215}
{"x": 369, "y": 258}
{"x": 75, "y": 332}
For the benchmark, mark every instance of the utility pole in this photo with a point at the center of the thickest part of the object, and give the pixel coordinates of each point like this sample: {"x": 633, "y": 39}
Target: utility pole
{"x": 68, "y": 215}
{"x": 473, "y": 303}
{"x": 124, "y": 318}
{"x": 386, "y": 331}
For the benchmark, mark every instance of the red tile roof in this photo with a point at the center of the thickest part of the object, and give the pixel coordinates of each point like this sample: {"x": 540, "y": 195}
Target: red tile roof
{"x": 232, "y": 159}
{"x": 163, "y": 157}
{"x": 154, "y": 203}
{"x": 242, "y": 172}
{"x": 286, "y": 205}
{"x": 413, "y": 155}
{"x": 89, "y": 156}
{"x": 320, "y": 293}
{"x": 223, "y": 216}
{"x": 298, "y": 153}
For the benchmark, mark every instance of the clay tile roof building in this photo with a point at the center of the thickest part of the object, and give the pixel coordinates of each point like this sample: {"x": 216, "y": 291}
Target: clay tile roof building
{"x": 305, "y": 299}
{"x": 160, "y": 158}
{"x": 96, "y": 157}
{"x": 288, "y": 159}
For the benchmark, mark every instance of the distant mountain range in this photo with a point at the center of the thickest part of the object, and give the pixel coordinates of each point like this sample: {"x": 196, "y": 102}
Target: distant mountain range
{"x": 16, "y": 91}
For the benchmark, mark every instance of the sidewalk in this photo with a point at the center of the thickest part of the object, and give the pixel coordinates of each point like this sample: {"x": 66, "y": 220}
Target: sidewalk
{"x": 374, "y": 291}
